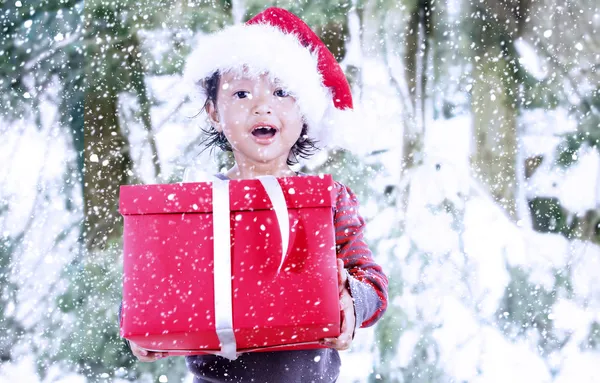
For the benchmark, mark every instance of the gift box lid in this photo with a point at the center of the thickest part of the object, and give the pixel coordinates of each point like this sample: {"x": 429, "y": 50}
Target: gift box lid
{"x": 245, "y": 195}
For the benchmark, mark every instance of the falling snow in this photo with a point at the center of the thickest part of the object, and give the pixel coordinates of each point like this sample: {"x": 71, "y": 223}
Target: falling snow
{"x": 477, "y": 168}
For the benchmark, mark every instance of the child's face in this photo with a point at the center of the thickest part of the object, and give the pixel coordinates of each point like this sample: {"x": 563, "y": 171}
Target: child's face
{"x": 260, "y": 120}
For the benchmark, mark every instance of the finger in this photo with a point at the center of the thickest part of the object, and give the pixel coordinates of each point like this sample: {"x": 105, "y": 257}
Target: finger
{"x": 342, "y": 277}
{"x": 341, "y": 343}
{"x": 152, "y": 356}
{"x": 146, "y": 359}
{"x": 349, "y": 322}
{"x": 347, "y": 328}
{"x": 144, "y": 355}
{"x": 342, "y": 316}
{"x": 137, "y": 350}
{"x": 346, "y": 301}
{"x": 342, "y": 271}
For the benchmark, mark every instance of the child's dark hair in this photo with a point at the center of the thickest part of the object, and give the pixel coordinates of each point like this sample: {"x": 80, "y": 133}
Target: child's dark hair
{"x": 304, "y": 147}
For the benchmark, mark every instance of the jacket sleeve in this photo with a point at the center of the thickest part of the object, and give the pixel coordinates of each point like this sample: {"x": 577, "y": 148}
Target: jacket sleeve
{"x": 367, "y": 283}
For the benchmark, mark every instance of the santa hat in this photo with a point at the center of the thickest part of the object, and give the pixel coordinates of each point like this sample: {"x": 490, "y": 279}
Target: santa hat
{"x": 279, "y": 43}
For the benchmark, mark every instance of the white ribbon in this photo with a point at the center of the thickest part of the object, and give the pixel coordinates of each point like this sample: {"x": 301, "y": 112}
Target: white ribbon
{"x": 275, "y": 193}
{"x": 222, "y": 269}
{"x": 222, "y": 255}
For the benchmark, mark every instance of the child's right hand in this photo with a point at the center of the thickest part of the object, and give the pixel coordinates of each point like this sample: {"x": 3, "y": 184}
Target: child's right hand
{"x": 144, "y": 355}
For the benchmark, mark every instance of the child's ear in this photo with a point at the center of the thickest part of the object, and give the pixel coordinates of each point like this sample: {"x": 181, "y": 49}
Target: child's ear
{"x": 213, "y": 115}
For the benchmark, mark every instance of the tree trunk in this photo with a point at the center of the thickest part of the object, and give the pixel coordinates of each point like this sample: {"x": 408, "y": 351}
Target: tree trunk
{"x": 238, "y": 11}
{"x": 10, "y": 328}
{"x": 494, "y": 100}
{"x": 354, "y": 71}
{"x": 416, "y": 52}
{"x": 107, "y": 163}
{"x": 138, "y": 82}
{"x": 334, "y": 35}
{"x": 495, "y": 131}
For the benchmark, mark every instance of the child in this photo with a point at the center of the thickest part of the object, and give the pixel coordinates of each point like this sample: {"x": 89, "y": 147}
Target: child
{"x": 272, "y": 90}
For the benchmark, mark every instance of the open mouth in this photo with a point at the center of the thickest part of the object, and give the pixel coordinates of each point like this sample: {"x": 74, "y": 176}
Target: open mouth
{"x": 264, "y": 132}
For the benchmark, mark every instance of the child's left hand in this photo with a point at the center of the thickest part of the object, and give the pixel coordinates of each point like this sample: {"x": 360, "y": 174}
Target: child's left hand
{"x": 343, "y": 341}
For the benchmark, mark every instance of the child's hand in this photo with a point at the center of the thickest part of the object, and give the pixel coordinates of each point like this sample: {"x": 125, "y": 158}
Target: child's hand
{"x": 343, "y": 341}
{"x": 145, "y": 355}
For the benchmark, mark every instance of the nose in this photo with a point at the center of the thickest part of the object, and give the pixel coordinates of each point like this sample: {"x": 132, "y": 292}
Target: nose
{"x": 262, "y": 109}
{"x": 262, "y": 105}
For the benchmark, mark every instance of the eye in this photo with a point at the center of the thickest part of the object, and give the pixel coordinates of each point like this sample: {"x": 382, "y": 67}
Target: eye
{"x": 241, "y": 94}
{"x": 281, "y": 93}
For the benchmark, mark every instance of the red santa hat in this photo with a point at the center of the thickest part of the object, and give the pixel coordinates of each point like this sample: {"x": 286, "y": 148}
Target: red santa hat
{"x": 279, "y": 43}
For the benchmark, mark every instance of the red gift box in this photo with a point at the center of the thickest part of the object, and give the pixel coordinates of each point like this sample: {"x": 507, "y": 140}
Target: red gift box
{"x": 278, "y": 301}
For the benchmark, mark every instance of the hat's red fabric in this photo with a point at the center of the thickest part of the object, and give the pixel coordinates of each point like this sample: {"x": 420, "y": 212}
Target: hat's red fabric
{"x": 333, "y": 75}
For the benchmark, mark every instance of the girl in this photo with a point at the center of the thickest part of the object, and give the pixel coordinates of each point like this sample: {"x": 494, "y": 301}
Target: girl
{"x": 272, "y": 91}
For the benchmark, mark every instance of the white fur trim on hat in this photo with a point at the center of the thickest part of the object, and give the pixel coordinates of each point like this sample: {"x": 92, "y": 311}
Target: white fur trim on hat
{"x": 345, "y": 129}
{"x": 261, "y": 48}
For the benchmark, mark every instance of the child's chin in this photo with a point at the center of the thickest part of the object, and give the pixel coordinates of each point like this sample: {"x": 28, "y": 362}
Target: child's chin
{"x": 270, "y": 154}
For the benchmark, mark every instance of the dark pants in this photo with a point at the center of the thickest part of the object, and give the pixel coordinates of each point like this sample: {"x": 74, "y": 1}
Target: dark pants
{"x": 301, "y": 366}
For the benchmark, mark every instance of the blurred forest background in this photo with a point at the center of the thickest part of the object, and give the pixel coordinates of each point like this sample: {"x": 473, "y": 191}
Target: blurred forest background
{"x": 480, "y": 181}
